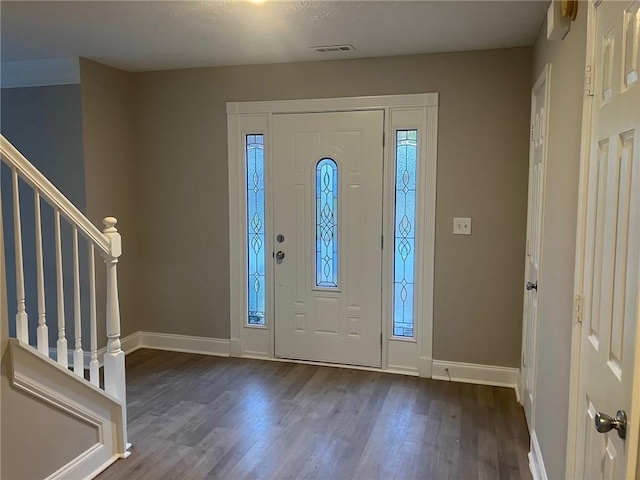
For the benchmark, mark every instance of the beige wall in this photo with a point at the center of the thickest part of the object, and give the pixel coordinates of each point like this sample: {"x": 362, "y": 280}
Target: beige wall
{"x": 108, "y": 125}
{"x": 567, "y": 58}
{"x": 182, "y": 194}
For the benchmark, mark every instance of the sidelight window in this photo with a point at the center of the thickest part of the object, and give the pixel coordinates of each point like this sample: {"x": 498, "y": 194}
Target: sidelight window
{"x": 404, "y": 236}
{"x": 256, "y": 275}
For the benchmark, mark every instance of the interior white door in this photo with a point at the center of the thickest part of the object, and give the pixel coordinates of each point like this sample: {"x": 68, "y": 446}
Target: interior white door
{"x": 612, "y": 247}
{"x": 327, "y": 173}
{"x": 534, "y": 241}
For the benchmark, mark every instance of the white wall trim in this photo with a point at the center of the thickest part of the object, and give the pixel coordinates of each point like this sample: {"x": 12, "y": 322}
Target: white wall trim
{"x": 39, "y": 376}
{"x": 474, "y": 373}
{"x": 519, "y": 388}
{"x": 129, "y": 344}
{"x": 84, "y": 465}
{"x": 581, "y": 231}
{"x": 536, "y": 464}
{"x": 333, "y": 104}
{"x": 40, "y": 73}
{"x": 184, "y": 343}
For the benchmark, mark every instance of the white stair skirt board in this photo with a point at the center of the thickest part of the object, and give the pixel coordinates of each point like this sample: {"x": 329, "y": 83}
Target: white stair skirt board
{"x": 84, "y": 465}
{"x": 479, "y": 374}
{"x": 536, "y": 465}
{"x": 39, "y": 376}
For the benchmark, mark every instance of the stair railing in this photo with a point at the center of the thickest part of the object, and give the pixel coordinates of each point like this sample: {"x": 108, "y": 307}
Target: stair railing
{"x": 109, "y": 246}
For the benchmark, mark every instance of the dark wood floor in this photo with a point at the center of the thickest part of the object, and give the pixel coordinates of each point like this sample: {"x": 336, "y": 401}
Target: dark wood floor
{"x": 199, "y": 417}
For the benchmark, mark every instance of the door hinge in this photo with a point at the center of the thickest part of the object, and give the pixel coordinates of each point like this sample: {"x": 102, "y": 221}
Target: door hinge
{"x": 382, "y": 242}
{"x": 381, "y": 340}
{"x": 588, "y": 81}
{"x": 577, "y": 307}
{"x": 384, "y": 138}
{"x": 524, "y": 363}
{"x": 528, "y": 251}
{"x": 531, "y": 133}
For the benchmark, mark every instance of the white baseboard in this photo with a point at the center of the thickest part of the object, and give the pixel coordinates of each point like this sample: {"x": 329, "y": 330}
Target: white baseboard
{"x": 184, "y": 343}
{"x": 536, "y": 464}
{"x": 129, "y": 344}
{"x": 472, "y": 373}
{"x": 519, "y": 388}
{"x": 235, "y": 348}
{"x": 159, "y": 341}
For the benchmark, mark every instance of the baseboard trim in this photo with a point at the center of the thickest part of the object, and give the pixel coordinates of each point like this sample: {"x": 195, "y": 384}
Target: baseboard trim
{"x": 129, "y": 344}
{"x": 536, "y": 464}
{"x": 183, "y": 343}
{"x": 84, "y": 465}
{"x": 519, "y": 388}
{"x": 473, "y": 373}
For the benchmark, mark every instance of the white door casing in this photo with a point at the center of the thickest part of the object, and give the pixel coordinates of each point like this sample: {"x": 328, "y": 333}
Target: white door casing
{"x": 606, "y": 352}
{"x": 339, "y": 322}
{"x": 416, "y": 111}
{"x": 537, "y": 171}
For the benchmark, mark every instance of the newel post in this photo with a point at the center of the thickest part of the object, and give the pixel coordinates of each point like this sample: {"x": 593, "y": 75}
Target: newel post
{"x": 114, "y": 371}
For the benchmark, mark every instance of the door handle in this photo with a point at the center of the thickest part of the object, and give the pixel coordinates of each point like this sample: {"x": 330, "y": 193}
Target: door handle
{"x": 532, "y": 286}
{"x": 605, "y": 423}
{"x": 279, "y": 255}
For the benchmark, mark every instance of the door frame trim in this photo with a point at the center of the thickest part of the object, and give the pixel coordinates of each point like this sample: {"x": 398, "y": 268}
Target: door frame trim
{"x": 410, "y": 356}
{"x": 581, "y": 225}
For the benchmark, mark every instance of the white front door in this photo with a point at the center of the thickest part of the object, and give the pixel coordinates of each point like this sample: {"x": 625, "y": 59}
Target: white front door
{"x": 327, "y": 184}
{"x": 534, "y": 240}
{"x": 612, "y": 248}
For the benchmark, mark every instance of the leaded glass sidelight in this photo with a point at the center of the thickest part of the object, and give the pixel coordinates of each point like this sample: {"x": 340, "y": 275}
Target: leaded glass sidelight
{"x": 256, "y": 272}
{"x": 327, "y": 223}
{"x": 404, "y": 237}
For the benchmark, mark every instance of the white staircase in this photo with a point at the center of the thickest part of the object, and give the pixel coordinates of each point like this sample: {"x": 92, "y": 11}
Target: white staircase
{"x": 44, "y": 372}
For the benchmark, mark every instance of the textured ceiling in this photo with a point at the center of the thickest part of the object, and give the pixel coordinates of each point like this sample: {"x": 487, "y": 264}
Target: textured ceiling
{"x": 160, "y": 35}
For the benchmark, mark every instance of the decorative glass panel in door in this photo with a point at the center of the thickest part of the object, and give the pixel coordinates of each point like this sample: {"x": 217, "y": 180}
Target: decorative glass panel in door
{"x": 327, "y": 223}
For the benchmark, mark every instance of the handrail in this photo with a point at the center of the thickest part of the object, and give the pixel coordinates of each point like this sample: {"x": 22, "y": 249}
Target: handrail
{"x": 52, "y": 195}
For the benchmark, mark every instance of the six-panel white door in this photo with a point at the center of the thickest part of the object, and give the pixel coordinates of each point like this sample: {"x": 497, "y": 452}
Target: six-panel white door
{"x": 534, "y": 241}
{"x": 611, "y": 261}
{"x": 327, "y": 190}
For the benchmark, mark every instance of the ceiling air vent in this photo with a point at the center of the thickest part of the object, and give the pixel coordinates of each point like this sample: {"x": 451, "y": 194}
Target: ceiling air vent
{"x": 334, "y": 48}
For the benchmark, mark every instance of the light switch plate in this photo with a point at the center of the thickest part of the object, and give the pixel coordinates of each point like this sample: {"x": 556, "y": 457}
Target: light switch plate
{"x": 461, "y": 226}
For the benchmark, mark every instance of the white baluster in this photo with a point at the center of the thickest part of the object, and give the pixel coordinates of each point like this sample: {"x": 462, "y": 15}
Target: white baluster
{"x": 22, "y": 321}
{"x": 43, "y": 331}
{"x": 61, "y": 346}
{"x": 114, "y": 372}
{"x": 78, "y": 355}
{"x": 94, "y": 367}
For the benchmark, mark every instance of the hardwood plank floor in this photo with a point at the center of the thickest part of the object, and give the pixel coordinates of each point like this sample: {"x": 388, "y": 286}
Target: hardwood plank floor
{"x": 199, "y": 417}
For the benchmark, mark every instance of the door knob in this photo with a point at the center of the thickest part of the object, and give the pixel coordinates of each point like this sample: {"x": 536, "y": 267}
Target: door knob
{"x": 532, "y": 286}
{"x": 279, "y": 255}
{"x": 605, "y": 423}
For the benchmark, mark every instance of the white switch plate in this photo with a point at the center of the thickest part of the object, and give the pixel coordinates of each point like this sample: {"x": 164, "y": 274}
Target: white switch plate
{"x": 461, "y": 226}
